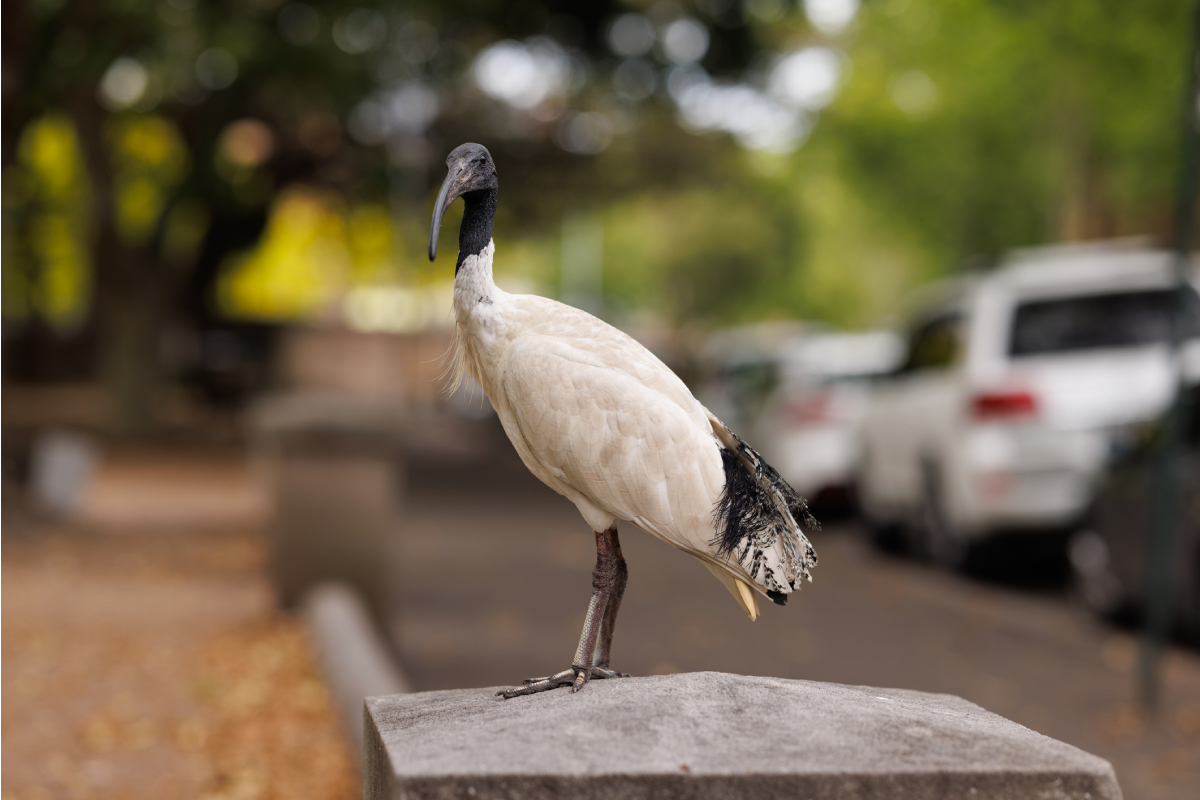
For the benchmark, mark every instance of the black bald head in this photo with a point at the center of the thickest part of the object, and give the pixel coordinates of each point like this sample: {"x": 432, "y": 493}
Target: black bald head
{"x": 473, "y": 175}
{"x": 474, "y": 163}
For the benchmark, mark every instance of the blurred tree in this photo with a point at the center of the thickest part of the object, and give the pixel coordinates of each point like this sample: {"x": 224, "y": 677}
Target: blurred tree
{"x": 747, "y": 158}
{"x": 988, "y": 125}
{"x": 189, "y": 116}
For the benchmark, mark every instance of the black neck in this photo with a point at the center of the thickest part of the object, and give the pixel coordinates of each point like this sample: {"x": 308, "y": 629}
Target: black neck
{"x": 476, "y": 229}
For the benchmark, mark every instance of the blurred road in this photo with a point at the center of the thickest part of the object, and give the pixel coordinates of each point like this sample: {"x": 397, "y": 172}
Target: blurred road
{"x": 491, "y": 582}
{"x": 494, "y": 578}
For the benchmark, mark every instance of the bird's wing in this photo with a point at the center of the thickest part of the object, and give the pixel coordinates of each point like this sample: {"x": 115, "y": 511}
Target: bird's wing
{"x": 605, "y": 418}
{"x": 615, "y": 440}
{"x": 625, "y": 448}
{"x": 605, "y": 345}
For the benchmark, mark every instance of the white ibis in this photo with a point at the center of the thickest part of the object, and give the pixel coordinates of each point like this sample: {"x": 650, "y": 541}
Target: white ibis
{"x": 603, "y": 422}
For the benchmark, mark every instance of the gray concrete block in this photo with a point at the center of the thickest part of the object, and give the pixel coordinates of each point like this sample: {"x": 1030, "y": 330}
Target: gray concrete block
{"x": 710, "y": 735}
{"x": 354, "y": 657}
{"x": 334, "y": 471}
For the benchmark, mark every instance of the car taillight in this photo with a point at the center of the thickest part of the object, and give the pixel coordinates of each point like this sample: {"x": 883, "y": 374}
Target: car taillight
{"x": 811, "y": 409}
{"x": 1000, "y": 406}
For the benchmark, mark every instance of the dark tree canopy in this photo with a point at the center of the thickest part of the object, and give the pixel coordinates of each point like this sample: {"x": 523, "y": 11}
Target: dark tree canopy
{"x": 174, "y": 165}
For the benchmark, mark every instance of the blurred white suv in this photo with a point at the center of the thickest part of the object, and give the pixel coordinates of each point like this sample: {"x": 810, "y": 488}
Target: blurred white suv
{"x": 998, "y": 419}
{"x": 809, "y": 429}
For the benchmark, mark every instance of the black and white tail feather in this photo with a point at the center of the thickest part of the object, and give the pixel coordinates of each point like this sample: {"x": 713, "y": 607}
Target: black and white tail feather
{"x": 758, "y": 522}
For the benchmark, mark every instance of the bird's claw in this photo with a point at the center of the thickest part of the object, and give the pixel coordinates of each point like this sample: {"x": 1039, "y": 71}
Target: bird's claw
{"x": 575, "y": 677}
{"x": 558, "y": 676}
{"x": 604, "y": 672}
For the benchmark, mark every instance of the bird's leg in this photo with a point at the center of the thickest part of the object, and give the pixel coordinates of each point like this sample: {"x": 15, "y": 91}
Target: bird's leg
{"x": 620, "y": 576}
{"x": 591, "y": 657}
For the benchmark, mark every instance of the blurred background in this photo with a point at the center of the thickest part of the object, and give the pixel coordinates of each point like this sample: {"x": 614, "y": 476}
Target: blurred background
{"x": 918, "y": 252}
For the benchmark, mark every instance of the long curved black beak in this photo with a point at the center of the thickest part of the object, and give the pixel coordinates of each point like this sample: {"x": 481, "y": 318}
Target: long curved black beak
{"x": 451, "y": 191}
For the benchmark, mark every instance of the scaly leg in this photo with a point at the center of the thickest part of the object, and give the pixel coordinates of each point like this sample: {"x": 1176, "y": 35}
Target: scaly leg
{"x": 620, "y": 578}
{"x": 595, "y": 643}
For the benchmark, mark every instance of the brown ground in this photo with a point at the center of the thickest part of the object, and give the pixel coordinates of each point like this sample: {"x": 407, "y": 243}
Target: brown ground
{"x": 153, "y": 665}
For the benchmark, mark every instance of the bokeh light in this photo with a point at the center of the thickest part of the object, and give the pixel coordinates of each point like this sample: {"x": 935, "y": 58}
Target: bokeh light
{"x": 123, "y": 83}
{"x": 247, "y": 143}
{"x": 831, "y": 17}
{"x": 808, "y": 78}
{"x": 685, "y": 41}
{"x": 360, "y": 31}
{"x": 523, "y": 74}
{"x": 913, "y": 92}
{"x": 299, "y": 24}
{"x": 631, "y": 35}
{"x": 216, "y": 68}
{"x": 635, "y": 79}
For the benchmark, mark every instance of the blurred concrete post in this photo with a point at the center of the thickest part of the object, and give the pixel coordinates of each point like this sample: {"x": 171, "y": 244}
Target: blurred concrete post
{"x": 62, "y": 464}
{"x": 354, "y": 657}
{"x": 335, "y": 473}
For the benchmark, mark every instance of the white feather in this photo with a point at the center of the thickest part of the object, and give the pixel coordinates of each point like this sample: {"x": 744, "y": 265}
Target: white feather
{"x": 596, "y": 416}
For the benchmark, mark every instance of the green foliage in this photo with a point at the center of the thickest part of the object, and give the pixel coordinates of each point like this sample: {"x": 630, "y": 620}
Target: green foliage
{"x": 965, "y": 128}
{"x": 1051, "y": 120}
{"x": 699, "y": 251}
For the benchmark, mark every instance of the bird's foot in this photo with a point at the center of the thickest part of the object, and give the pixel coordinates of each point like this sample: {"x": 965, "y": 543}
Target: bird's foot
{"x": 575, "y": 677}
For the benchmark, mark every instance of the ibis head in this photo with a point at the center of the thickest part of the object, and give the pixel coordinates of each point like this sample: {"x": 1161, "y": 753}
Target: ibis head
{"x": 471, "y": 170}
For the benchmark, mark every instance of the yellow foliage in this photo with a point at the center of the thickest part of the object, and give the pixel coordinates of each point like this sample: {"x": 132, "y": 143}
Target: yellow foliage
{"x": 64, "y": 274}
{"x": 154, "y": 142}
{"x": 298, "y": 267}
{"x": 50, "y": 151}
{"x": 313, "y": 250}
{"x": 139, "y": 203}
{"x": 371, "y": 247}
{"x": 46, "y": 269}
{"x": 150, "y": 159}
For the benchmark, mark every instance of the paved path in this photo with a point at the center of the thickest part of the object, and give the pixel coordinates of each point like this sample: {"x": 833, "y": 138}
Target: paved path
{"x": 495, "y": 576}
{"x": 153, "y": 665}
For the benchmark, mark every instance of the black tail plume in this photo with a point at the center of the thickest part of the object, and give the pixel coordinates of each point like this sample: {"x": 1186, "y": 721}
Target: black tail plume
{"x": 746, "y": 506}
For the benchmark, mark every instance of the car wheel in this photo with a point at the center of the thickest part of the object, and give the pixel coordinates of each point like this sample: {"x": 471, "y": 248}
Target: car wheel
{"x": 882, "y": 533}
{"x": 886, "y": 536}
{"x": 938, "y": 540}
{"x": 1094, "y": 583}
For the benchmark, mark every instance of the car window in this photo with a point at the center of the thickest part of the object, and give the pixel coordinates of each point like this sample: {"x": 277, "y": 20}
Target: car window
{"x": 752, "y": 380}
{"x": 935, "y": 343}
{"x": 1127, "y": 319}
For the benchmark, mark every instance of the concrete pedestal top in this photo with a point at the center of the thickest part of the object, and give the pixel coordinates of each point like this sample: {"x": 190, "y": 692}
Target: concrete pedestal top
{"x": 710, "y": 735}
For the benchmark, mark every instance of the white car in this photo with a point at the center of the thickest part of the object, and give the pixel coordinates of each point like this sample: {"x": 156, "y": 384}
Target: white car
{"x": 810, "y": 428}
{"x": 740, "y": 369}
{"x": 998, "y": 419}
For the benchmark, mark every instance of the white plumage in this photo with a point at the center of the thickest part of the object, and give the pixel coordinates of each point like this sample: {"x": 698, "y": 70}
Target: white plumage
{"x": 602, "y": 421}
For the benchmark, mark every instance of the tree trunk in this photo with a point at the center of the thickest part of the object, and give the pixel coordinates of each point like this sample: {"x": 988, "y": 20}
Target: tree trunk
{"x": 130, "y": 316}
{"x": 129, "y": 294}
